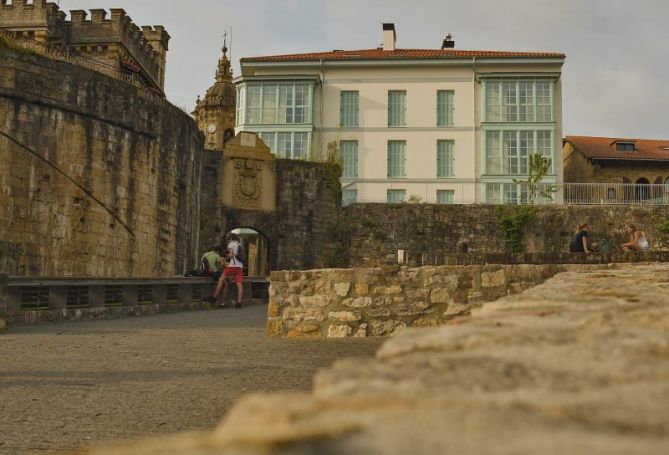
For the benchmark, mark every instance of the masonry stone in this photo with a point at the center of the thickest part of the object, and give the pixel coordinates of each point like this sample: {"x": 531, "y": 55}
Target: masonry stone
{"x": 339, "y": 331}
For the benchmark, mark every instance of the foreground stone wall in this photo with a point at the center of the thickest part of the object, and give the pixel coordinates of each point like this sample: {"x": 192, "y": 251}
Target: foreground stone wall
{"x": 576, "y": 365}
{"x": 299, "y": 232}
{"x": 135, "y": 157}
{"x": 374, "y": 232}
{"x": 339, "y": 303}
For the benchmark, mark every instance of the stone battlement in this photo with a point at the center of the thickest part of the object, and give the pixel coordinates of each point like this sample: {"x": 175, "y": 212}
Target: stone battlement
{"x": 110, "y": 37}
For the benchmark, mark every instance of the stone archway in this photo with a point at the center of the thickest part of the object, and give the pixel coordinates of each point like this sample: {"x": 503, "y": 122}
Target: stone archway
{"x": 642, "y": 190}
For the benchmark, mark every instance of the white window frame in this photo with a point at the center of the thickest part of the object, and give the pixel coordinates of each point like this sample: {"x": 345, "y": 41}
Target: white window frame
{"x": 503, "y": 101}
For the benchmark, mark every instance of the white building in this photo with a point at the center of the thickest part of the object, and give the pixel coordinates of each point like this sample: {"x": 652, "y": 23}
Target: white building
{"x": 435, "y": 125}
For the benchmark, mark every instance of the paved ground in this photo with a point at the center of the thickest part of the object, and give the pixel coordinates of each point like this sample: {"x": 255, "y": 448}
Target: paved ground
{"x": 71, "y": 384}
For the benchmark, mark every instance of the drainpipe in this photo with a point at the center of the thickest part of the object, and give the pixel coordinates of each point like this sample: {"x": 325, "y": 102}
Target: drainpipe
{"x": 476, "y": 152}
{"x": 322, "y": 95}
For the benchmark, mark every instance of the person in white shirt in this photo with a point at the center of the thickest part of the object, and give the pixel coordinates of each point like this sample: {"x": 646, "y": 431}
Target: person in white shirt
{"x": 234, "y": 271}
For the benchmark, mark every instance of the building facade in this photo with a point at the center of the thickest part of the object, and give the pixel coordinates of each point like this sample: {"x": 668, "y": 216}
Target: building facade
{"x": 633, "y": 170}
{"x": 114, "y": 43}
{"x": 431, "y": 125}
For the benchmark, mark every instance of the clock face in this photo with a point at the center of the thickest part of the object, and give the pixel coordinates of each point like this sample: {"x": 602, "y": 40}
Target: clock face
{"x": 211, "y": 128}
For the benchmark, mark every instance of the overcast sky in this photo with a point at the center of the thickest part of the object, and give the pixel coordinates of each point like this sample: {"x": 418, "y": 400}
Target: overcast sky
{"x": 615, "y": 79}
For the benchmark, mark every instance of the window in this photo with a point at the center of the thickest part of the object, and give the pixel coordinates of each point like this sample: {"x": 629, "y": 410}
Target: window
{"x": 666, "y": 185}
{"x": 445, "y": 108}
{"x": 445, "y": 196}
{"x": 288, "y": 144}
{"x": 396, "y": 159}
{"x": 286, "y": 104}
{"x": 519, "y": 101}
{"x": 508, "y": 152}
{"x": 506, "y": 193}
{"x": 271, "y": 103}
{"x": 300, "y": 145}
{"x": 240, "y": 105}
{"x": 396, "y": 196}
{"x": 349, "y": 108}
{"x": 302, "y": 104}
{"x": 625, "y": 146}
{"x": 349, "y": 197}
{"x": 397, "y": 108}
{"x": 284, "y": 145}
{"x": 445, "y": 159}
{"x": 269, "y": 139}
{"x": 253, "y": 103}
{"x": 348, "y": 151}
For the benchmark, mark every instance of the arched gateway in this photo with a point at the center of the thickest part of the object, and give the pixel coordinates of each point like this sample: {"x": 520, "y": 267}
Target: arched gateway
{"x": 290, "y": 203}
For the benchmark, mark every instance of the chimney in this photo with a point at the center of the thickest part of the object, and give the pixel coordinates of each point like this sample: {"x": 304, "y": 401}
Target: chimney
{"x": 389, "y": 37}
{"x": 448, "y": 42}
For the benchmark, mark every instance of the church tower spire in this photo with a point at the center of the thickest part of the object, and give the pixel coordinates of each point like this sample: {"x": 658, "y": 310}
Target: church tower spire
{"x": 215, "y": 113}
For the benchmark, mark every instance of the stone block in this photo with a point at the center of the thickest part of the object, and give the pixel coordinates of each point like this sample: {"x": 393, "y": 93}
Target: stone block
{"x": 305, "y": 331}
{"x": 441, "y": 295}
{"x": 345, "y": 316}
{"x": 361, "y": 289}
{"x": 304, "y": 314}
{"x": 386, "y": 328}
{"x": 387, "y": 290}
{"x": 274, "y": 327}
{"x": 359, "y": 302}
{"x": 361, "y": 331}
{"x": 493, "y": 279}
{"x": 315, "y": 301}
{"x": 339, "y": 331}
{"x": 342, "y": 289}
{"x": 273, "y": 310}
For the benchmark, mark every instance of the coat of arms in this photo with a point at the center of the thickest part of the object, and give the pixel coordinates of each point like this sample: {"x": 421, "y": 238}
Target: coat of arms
{"x": 247, "y": 190}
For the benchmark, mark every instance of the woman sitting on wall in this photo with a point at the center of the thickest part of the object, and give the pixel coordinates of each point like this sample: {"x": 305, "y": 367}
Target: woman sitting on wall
{"x": 579, "y": 243}
{"x": 637, "y": 242}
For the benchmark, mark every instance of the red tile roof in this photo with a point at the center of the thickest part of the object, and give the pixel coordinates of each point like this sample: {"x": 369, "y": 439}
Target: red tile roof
{"x": 400, "y": 54}
{"x": 604, "y": 148}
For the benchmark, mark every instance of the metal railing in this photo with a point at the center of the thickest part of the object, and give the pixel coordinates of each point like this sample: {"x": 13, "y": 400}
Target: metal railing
{"x": 444, "y": 191}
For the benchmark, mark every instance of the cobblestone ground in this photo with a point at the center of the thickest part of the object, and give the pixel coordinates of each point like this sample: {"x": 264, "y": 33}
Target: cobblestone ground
{"x": 68, "y": 385}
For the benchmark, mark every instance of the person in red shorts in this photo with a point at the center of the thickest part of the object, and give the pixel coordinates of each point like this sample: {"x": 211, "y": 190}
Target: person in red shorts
{"x": 233, "y": 272}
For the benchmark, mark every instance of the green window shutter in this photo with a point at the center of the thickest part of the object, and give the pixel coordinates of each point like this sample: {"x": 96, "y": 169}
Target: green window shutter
{"x": 445, "y": 107}
{"x": 445, "y": 159}
{"x": 396, "y": 159}
{"x": 396, "y": 108}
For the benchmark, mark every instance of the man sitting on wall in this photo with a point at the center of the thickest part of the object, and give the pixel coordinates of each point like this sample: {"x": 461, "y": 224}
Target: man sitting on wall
{"x": 209, "y": 264}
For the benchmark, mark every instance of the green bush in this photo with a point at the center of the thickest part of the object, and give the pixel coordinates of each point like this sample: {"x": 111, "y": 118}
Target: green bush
{"x": 513, "y": 221}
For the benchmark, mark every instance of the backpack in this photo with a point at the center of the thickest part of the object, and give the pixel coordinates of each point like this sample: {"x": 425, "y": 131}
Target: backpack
{"x": 241, "y": 253}
{"x": 204, "y": 267}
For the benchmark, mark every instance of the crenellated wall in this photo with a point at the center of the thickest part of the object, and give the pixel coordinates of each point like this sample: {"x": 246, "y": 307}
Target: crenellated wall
{"x": 113, "y": 186}
{"x": 110, "y": 38}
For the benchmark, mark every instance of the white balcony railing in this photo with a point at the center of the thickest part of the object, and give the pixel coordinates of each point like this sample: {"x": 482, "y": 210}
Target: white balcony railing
{"x": 436, "y": 191}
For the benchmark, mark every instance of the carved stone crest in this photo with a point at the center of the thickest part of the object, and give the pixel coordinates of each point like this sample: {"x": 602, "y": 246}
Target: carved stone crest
{"x": 247, "y": 190}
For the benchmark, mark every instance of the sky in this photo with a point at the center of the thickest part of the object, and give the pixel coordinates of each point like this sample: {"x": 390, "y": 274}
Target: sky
{"x": 615, "y": 78}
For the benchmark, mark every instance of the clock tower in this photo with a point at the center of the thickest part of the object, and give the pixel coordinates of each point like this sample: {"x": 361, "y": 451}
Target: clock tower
{"x": 215, "y": 114}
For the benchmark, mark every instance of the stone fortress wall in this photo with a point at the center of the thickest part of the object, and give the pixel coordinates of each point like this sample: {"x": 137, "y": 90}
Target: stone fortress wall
{"x": 372, "y": 233}
{"x": 113, "y": 187}
{"x": 113, "y": 40}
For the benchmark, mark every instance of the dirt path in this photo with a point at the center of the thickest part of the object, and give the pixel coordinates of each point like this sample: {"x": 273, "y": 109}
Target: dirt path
{"x": 72, "y": 384}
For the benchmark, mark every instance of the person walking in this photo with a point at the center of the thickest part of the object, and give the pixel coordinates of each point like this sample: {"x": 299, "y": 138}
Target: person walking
{"x": 233, "y": 271}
